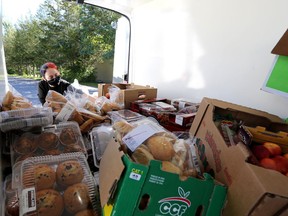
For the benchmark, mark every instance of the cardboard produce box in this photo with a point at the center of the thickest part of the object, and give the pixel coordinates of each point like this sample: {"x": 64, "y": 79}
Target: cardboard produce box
{"x": 252, "y": 190}
{"x": 131, "y": 92}
{"x": 128, "y": 188}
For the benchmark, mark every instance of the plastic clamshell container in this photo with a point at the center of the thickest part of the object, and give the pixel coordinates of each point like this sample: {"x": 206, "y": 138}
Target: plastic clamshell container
{"x": 100, "y": 137}
{"x": 28, "y": 190}
{"x": 29, "y": 117}
{"x": 125, "y": 114}
{"x": 55, "y": 139}
{"x": 10, "y": 198}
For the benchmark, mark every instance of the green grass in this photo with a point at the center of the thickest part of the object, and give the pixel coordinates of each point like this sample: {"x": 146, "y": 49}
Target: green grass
{"x": 90, "y": 84}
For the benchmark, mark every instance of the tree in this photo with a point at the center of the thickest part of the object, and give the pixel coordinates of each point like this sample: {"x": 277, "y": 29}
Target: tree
{"x": 76, "y": 37}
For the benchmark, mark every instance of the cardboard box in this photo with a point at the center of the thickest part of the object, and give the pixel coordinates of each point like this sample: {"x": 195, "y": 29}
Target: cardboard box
{"x": 131, "y": 92}
{"x": 125, "y": 188}
{"x": 252, "y": 190}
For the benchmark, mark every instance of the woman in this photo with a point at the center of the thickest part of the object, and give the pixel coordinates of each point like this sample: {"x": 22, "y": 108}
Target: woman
{"x": 51, "y": 80}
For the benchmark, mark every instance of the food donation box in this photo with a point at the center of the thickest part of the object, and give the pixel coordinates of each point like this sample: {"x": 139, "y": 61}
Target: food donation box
{"x": 129, "y": 188}
{"x": 128, "y": 92}
{"x": 226, "y": 155}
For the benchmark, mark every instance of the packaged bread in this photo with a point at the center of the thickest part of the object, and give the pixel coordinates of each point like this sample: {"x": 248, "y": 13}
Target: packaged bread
{"x": 92, "y": 107}
{"x": 142, "y": 155}
{"x": 53, "y": 96}
{"x": 146, "y": 140}
{"x": 7, "y": 101}
{"x": 105, "y": 105}
{"x": 55, "y": 106}
{"x": 161, "y": 147}
{"x": 15, "y": 102}
{"x": 90, "y": 120}
{"x": 90, "y": 115}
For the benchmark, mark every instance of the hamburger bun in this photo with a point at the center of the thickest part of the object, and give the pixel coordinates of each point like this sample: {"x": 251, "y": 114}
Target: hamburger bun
{"x": 161, "y": 147}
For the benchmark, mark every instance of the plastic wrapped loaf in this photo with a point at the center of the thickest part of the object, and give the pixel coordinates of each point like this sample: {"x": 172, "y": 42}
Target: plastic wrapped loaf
{"x": 12, "y": 101}
{"x": 145, "y": 140}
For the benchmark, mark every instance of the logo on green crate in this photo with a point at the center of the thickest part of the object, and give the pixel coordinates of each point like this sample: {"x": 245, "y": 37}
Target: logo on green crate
{"x": 175, "y": 206}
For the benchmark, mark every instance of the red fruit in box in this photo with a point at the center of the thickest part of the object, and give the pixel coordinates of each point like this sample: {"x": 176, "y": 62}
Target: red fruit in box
{"x": 268, "y": 163}
{"x": 286, "y": 155}
{"x": 260, "y": 151}
{"x": 274, "y": 148}
{"x": 281, "y": 164}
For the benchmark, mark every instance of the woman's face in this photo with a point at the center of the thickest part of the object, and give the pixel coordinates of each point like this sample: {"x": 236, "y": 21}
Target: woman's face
{"x": 51, "y": 73}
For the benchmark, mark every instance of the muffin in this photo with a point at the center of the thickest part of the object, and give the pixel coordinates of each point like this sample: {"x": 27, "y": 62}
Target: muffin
{"x": 12, "y": 206}
{"x": 69, "y": 172}
{"x": 45, "y": 176}
{"x": 8, "y": 188}
{"x": 68, "y": 136}
{"x": 52, "y": 152}
{"x": 86, "y": 212}
{"x": 24, "y": 156}
{"x": 25, "y": 143}
{"x": 73, "y": 148}
{"x": 76, "y": 198}
{"x": 49, "y": 202}
{"x": 47, "y": 140}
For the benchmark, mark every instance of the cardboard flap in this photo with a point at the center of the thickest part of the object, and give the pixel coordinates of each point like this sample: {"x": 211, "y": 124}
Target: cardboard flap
{"x": 281, "y": 47}
{"x": 111, "y": 168}
{"x": 243, "y": 109}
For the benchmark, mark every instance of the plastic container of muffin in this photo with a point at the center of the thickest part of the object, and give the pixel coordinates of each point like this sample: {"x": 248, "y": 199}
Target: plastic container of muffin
{"x": 10, "y": 199}
{"x": 100, "y": 137}
{"x": 57, "y": 185}
{"x": 54, "y": 139}
{"x": 29, "y": 117}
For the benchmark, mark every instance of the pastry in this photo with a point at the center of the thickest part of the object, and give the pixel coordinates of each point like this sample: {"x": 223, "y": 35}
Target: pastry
{"x": 86, "y": 212}
{"x": 45, "y": 176}
{"x": 87, "y": 125}
{"x": 47, "y": 140}
{"x": 76, "y": 198}
{"x": 161, "y": 147}
{"x": 25, "y": 143}
{"x": 68, "y": 136}
{"x": 142, "y": 155}
{"x": 49, "y": 202}
{"x": 69, "y": 172}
